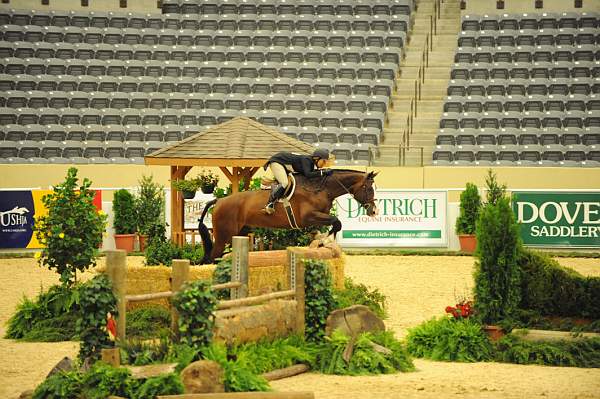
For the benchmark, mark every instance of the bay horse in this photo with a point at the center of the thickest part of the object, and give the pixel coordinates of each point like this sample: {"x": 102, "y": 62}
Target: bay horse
{"x": 311, "y": 203}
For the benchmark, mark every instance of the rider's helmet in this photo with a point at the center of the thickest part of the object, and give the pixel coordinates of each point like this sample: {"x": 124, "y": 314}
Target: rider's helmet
{"x": 321, "y": 153}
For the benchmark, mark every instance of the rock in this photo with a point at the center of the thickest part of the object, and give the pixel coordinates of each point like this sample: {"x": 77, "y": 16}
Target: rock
{"x": 353, "y": 320}
{"x": 203, "y": 376}
{"x": 28, "y": 394}
{"x": 66, "y": 364}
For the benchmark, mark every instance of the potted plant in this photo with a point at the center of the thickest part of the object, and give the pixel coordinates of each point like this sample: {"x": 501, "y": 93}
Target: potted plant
{"x": 470, "y": 204}
{"x": 188, "y": 188}
{"x": 125, "y": 222}
{"x": 208, "y": 181}
{"x": 149, "y": 205}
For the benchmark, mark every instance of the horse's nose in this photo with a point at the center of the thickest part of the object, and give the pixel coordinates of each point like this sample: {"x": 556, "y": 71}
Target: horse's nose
{"x": 374, "y": 211}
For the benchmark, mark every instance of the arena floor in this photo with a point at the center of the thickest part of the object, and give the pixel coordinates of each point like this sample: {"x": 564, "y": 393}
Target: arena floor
{"x": 417, "y": 287}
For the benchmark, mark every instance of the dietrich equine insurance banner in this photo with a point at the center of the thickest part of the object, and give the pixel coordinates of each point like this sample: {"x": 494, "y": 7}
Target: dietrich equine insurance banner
{"x": 18, "y": 210}
{"x": 564, "y": 219}
{"x": 406, "y": 219}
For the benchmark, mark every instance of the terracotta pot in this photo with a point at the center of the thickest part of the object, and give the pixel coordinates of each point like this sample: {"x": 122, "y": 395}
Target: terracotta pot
{"x": 207, "y": 189}
{"x": 188, "y": 194}
{"x": 494, "y": 332}
{"x": 125, "y": 241}
{"x": 468, "y": 243}
{"x": 142, "y": 240}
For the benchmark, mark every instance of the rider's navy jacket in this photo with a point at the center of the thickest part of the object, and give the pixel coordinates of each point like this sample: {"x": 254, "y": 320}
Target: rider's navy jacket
{"x": 300, "y": 163}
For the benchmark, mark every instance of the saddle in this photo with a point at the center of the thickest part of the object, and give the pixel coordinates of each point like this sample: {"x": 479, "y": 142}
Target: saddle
{"x": 272, "y": 184}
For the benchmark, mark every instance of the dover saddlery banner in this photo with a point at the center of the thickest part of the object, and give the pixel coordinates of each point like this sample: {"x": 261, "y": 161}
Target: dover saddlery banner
{"x": 406, "y": 219}
{"x": 563, "y": 219}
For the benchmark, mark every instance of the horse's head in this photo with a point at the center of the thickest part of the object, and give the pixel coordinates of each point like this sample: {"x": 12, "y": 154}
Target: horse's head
{"x": 364, "y": 193}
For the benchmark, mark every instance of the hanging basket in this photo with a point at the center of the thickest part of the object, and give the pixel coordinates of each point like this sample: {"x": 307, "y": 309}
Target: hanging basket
{"x": 208, "y": 189}
{"x": 188, "y": 194}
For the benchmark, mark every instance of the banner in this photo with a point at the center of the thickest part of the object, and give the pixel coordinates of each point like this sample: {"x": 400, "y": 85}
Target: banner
{"x": 405, "y": 219}
{"x": 193, "y": 210}
{"x": 565, "y": 219}
{"x": 18, "y": 210}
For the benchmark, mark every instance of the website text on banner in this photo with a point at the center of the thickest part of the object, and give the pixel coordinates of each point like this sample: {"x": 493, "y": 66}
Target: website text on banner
{"x": 18, "y": 210}
{"x": 406, "y": 219}
{"x": 565, "y": 219}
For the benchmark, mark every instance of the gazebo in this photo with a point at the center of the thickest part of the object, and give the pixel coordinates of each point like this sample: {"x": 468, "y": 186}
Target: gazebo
{"x": 239, "y": 147}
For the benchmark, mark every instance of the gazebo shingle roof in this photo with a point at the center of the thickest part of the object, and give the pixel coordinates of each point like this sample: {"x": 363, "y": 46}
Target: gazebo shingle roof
{"x": 240, "y": 139}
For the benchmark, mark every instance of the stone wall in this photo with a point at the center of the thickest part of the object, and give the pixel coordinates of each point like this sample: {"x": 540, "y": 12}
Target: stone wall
{"x": 271, "y": 320}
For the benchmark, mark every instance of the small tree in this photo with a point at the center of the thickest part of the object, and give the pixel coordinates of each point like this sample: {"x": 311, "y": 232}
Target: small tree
{"x": 470, "y": 204}
{"x": 72, "y": 229}
{"x": 149, "y": 204}
{"x": 497, "y": 275}
{"x": 124, "y": 212}
{"x": 495, "y": 191}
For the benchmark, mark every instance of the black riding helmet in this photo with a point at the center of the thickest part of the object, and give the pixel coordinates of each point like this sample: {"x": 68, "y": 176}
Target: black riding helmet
{"x": 321, "y": 153}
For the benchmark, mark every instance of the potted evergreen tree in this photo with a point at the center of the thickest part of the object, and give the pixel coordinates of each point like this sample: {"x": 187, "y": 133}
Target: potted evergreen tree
{"x": 208, "y": 181}
{"x": 149, "y": 205}
{"x": 188, "y": 188}
{"x": 124, "y": 220}
{"x": 470, "y": 204}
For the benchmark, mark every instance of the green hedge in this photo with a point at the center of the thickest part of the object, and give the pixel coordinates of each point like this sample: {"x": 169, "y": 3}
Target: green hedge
{"x": 554, "y": 290}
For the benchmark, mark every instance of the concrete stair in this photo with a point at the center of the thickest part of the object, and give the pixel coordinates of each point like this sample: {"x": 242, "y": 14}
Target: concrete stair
{"x": 435, "y": 72}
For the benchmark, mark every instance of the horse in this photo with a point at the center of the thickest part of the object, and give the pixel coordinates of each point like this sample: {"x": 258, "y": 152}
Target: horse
{"x": 311, "y": 204}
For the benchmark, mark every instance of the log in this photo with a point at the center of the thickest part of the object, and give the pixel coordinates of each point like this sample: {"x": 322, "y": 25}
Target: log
{"x": 242, "y": 395}
{"x": 224, "y": 286}
{"x": 286, "y": 372}
{"x": 546, "y": 335}
{"x": 152, "y": 370}
{"x": 255, "y": 300}
{"x": 149, "y": 297}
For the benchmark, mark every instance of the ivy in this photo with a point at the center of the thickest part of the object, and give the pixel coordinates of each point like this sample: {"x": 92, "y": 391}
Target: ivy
{"x": 96, "y": 300}
{"x": 221, "y": 275}
{"x": 196, "y": 304}
{"x": 72, "y": 230}
{"x": 319, "y": 300}
{"x": 360, "y": 294}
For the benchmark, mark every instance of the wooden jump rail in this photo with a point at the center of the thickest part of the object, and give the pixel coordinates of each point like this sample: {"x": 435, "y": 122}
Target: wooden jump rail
{"x": 117, "y": 271}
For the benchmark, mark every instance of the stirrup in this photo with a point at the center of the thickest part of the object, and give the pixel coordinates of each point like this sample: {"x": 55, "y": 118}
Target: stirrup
{"x": 269, "y": 209}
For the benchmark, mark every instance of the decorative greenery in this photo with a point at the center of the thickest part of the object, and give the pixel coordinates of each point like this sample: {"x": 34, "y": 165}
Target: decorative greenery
{"x": 262, "y": 357}
{"x": 470, "y": 204}
{"x": 148, "y": 322}
{"x": 51, "y": 317}
{"x": 125, "y": 221}
{"x": 462, "y": 310}
{"x": 457, "y": 340}
{"x": 60, "y": 386}
{"x": 238, "y": 376}
{"x": 578, "y": 353}
{"x": 494, "y": 190}
{"x": 360, "y": 294}
{"x": 191, "y": 185}
{"x": 96, "y": 300}
{"x": 139, "y": 352}
{"x": 103, "y": 380}
{"x": 319, "y": 301}
{"x": 365, "y": 360}
{"x": 149, "y": 204}
{"x": 208, "y": 179}
{"x": 196, "y": 304}
{"x": 283, "y": 238}
{"x": 221, "y": 275}
{"x": 72, "y": 230}
{"x": 497, "y": 275}
{"x": 166, "y": 384}
{"x": 553, "y": 290}
{"x": 161, "y": 251}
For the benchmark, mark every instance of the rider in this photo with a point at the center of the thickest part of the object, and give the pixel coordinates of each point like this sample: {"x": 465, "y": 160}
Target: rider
{"x": 308, "y": 165}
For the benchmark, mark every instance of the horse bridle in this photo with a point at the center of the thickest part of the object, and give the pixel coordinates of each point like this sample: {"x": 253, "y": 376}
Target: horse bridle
{"x": 365, "y": 205}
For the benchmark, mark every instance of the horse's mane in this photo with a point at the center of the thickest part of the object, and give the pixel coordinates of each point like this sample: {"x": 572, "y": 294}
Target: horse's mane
{"x": 316, "y": 183}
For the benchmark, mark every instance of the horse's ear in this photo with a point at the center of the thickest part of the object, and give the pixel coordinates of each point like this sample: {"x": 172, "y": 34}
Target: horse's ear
{"x": 372, "y": 175}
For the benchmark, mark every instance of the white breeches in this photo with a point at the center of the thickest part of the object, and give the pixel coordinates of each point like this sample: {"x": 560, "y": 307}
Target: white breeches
{"x": 280, "y": 173}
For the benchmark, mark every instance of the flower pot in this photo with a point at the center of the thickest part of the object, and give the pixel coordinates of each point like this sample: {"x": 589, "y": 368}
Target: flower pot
{"x": 125, "y": 241}
{"x": 494, "y": 332}
{"x": 468, "y": 243}
{"x": 142, "y": 240}
{"x": 208, "y": 189}
{"x": 188, "y": 194}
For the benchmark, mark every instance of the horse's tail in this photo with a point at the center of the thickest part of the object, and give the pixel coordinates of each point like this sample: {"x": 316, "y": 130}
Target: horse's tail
{"x": 205, "y": 234}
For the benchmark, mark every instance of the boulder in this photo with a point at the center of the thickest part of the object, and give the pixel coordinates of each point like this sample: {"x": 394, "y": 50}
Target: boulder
{"x": 28, "y": 394}
{"x": 353, "y": 320}
{"x": 66, "y": 364}
{"x": 203, "y": 376}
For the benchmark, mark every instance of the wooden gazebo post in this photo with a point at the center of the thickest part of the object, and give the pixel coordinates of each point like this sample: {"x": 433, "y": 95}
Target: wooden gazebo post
{"x": 239, "y": 147}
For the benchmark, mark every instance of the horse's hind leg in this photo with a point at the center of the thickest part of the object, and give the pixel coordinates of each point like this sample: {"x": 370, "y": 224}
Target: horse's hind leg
{"x": 223, "y": 237}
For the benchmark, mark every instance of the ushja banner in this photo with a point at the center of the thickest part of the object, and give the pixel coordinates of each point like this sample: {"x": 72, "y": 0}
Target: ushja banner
{"x": 564, "y": 219}
{"x": 406, "y": 219}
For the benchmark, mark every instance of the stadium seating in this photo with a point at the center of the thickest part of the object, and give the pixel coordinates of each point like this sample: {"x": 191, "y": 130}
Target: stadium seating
{"x": 324, "y": 68}
{"x": 523, "y": 91}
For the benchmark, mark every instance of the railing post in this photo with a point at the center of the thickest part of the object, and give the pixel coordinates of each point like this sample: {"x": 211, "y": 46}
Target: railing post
{"x": 116, "y": 269}
{"x": 180, "y": 273}
{"x": 296, "y": 270}
{"x": 239, "y": 266}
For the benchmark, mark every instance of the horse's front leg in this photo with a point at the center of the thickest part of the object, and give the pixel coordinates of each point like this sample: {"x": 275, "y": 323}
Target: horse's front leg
{"x": 317, "y": 218}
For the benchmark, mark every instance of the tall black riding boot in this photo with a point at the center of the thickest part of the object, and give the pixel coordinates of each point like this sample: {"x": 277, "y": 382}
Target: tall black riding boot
{"x": 275, "y": 194}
